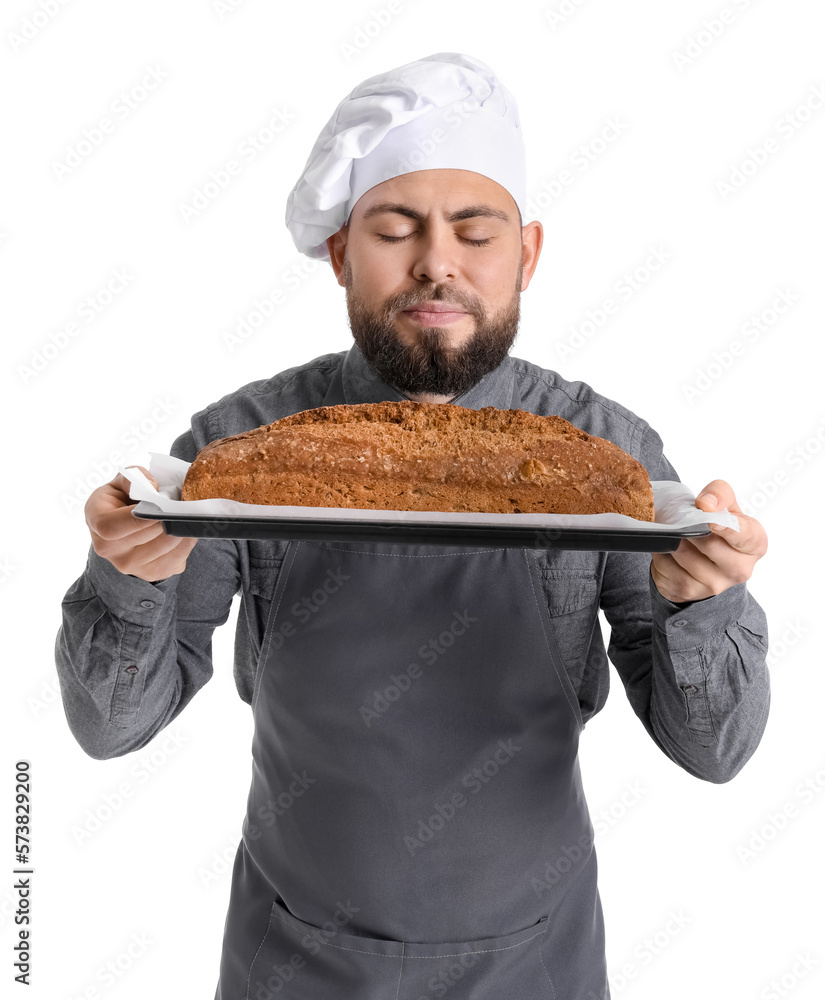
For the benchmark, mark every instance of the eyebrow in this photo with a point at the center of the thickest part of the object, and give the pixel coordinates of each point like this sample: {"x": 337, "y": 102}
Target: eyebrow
{"x": 471, "y": 212}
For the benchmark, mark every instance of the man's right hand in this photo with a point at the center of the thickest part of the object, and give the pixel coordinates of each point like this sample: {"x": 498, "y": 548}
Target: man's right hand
{"x": 133, "y": 546}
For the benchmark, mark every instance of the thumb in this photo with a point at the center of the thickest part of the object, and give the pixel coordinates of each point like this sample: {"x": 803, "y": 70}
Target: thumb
{"x": 146, "y": 473}
{"x": 715, "y": 496}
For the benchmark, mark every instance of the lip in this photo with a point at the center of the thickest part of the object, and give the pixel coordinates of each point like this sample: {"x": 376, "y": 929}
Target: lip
{"x": 435, "y": 313}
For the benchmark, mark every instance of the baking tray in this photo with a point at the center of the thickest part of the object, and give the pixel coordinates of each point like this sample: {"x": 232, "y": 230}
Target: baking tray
{"x": 381, "y": 526}
{"x": 676, "y": 514}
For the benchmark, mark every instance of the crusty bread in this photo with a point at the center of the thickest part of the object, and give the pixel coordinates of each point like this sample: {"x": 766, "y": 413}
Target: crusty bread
{"x": 423, "y": 456}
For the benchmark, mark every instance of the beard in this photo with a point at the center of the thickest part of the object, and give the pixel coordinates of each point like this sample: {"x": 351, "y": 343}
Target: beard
{"x": 432, "y": 365}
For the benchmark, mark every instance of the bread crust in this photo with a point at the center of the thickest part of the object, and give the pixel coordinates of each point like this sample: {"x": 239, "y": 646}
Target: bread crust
{"x": 402, "y": 455}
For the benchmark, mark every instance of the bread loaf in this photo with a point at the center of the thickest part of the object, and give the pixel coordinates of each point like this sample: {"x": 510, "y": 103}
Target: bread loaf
{"x": 423, "y": 456}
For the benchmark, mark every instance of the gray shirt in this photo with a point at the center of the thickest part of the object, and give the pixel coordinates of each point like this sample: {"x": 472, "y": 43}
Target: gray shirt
{"x": 131, "y": 654}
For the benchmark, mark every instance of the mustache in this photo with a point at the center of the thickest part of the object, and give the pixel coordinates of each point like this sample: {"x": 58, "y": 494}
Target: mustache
{"x": 408, "y": 300}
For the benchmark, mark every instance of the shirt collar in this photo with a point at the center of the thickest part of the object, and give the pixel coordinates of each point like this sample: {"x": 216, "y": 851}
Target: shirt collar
{"x": 356, "y": 382}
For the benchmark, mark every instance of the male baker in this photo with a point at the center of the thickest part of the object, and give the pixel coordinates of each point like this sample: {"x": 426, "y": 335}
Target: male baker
{"x": 416, "y": 824}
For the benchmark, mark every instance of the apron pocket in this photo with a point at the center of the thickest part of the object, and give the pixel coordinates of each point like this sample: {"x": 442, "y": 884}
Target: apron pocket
{"x": 300, "y": 961}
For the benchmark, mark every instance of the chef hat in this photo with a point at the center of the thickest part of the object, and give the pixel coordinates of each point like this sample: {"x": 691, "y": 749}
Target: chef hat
{"x": 446, "y": 110}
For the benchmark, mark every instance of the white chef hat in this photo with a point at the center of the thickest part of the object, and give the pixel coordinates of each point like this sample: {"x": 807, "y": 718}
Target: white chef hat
{"x": 445, "y": 110}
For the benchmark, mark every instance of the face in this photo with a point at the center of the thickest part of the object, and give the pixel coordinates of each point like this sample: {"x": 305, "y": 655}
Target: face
{"x": 434, "y": 263}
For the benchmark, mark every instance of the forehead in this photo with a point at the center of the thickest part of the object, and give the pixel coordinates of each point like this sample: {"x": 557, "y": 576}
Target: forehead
{"x": 439, "y": 192}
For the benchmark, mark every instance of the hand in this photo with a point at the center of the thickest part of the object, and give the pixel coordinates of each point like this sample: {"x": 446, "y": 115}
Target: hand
{"x": 133, "y": 546}
{"x": 703, "y": 567}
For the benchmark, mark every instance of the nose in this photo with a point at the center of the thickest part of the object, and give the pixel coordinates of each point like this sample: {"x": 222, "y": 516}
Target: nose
{"x": 436, "y": 258}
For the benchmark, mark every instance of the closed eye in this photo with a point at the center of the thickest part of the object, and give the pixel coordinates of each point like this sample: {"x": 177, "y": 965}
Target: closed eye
{"x": 398, "y": 239}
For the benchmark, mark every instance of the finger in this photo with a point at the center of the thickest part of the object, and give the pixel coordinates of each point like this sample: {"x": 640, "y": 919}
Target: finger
{"x": 112, "y": 520}
{"x": 698, "y": 566}
{"x": 168, "y": 563}
{"x": 719, "y": 550}
{"x": 719, "y": 493}
{"x": 117, "y": 548}
{"x": 149, "y": 559}
{"x": 674, "y": 582}
{"x": 120, "y": 485}
{"x": 145, "y": 472}
{"x": 751, "y": 537}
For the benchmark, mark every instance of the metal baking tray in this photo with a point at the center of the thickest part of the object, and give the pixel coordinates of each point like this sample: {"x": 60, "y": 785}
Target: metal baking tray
{"x": 313, "y": 524}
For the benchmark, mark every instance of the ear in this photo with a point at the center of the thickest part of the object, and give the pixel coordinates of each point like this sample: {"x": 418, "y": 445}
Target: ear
{"x": 336, "y": 245}
{"x": 532, "y": 238}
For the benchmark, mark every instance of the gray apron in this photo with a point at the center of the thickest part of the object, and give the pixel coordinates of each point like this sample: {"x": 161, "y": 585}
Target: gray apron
{"x": 416, "y": 824}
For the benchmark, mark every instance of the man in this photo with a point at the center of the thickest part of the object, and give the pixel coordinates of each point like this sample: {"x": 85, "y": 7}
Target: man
{"x": 416, "y": 823}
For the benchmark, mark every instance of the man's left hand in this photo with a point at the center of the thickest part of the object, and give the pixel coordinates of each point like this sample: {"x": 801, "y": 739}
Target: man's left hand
{"x": 703, "y": 567}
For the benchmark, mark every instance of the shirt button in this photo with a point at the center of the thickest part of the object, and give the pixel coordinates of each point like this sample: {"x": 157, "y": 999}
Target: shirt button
{"x": 689, "y": 689}
{"x": 679, "y": 622}
{"x": 147, "y": 604}
{"x": 132, "y": 670}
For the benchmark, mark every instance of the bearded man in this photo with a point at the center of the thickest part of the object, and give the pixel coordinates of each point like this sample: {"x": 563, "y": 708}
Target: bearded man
{"x": 444, "y": 848}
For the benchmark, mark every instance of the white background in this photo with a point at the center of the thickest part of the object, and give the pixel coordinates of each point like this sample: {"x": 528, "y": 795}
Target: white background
{"x": 695, "y": 104}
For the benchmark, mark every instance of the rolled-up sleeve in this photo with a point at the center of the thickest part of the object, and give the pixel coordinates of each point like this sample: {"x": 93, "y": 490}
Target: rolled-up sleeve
{"x": 695, "y": 673}
{"x": 130, "y": 655}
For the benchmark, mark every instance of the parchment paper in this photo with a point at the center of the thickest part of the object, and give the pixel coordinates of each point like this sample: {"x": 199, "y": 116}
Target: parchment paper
{"x": 673, "y": 503}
